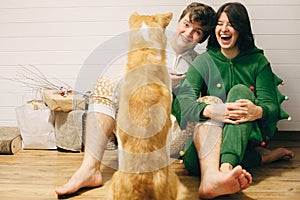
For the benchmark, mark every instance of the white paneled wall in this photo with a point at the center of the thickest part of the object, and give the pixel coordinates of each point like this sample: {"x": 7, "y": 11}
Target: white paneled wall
{"x": 58, "y": 36}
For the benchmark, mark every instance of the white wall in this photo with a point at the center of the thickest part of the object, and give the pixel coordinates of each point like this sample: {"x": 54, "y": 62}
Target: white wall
{"x": 57, "y": 36}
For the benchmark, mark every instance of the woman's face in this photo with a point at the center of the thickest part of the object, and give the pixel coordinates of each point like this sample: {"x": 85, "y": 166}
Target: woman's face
{"x": 226, "y": 34}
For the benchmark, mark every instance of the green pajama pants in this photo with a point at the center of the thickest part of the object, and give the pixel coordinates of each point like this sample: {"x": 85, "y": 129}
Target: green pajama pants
{"x": 238, "y": 141}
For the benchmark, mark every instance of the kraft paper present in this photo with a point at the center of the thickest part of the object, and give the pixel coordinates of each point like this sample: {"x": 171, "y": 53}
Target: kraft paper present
{"x": 56, "y": 102}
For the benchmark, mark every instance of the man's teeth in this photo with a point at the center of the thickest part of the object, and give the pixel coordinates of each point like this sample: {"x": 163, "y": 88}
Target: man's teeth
{"x": 187, "y": 38}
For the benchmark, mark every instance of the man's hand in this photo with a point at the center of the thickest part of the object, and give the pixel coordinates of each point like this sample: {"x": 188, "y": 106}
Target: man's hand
{"x": 176, "y": 77}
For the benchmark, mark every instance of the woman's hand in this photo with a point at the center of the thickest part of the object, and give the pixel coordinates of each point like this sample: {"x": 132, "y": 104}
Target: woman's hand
{"x": 237, "y": 112}
{"x": 226, "y": 113}
{"x": 253, "y": 112}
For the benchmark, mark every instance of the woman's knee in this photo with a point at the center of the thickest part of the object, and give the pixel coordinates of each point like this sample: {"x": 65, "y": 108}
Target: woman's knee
{"x": 240, "y": 91}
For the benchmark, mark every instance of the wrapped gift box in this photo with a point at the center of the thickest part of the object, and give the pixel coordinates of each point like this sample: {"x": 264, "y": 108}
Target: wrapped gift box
{"x": 57, "y": 102}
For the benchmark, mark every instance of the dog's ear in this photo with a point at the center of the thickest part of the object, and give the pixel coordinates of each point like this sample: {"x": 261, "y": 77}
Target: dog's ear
{"x": 164, "y": 19}
{"x": 133, "y": 18}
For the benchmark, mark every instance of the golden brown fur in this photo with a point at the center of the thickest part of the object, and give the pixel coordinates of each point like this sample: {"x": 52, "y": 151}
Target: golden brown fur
{"x": 144, "y": 117}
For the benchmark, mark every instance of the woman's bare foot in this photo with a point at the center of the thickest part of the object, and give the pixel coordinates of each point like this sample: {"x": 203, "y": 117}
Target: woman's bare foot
{"x": 269, "y": 156}
{"x": 83, "y": 177}
{"x": 245, "y": 178}
{"x": 226, "y": 181}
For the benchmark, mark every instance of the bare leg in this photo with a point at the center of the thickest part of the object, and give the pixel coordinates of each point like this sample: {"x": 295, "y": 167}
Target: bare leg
{"x": 215, "y": 181}
{"x": 269, "y": 156}
{"x": 89, "y": 174}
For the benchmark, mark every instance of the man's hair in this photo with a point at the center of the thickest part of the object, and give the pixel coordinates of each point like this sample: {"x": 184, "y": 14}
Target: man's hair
{"x": 238, "y": 17}
{"x": 202, "y": 14}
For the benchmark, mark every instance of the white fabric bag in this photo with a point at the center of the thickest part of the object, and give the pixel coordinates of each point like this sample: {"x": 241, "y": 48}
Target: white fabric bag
{"x": 36, "y": 124}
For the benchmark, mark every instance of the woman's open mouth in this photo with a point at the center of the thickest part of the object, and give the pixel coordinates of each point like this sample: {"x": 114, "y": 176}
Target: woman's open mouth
{"x": 226, "y": 37}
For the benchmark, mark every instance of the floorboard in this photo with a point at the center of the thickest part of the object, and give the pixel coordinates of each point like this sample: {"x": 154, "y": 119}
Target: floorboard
{"x": 33, "y": 174}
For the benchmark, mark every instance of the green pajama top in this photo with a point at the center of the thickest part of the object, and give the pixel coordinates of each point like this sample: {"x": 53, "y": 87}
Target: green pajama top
{"x": 212, "y": 74}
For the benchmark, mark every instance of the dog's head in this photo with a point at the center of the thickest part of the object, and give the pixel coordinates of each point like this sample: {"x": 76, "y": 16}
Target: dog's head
{"x": 147, "y": 31}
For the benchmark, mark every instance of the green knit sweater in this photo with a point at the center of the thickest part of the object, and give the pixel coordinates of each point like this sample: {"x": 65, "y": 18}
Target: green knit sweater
{"x": 212, "y": 74}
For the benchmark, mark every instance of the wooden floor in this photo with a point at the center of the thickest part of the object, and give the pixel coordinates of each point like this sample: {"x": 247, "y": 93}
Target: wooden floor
{"x": 33, "y": 174}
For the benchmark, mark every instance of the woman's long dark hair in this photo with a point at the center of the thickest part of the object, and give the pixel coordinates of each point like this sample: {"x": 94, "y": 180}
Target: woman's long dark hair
{"x": 239, "y": 19}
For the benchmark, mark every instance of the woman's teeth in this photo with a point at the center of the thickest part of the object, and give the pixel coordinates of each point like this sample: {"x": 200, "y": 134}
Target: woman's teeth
{"x": 225, "y": 37}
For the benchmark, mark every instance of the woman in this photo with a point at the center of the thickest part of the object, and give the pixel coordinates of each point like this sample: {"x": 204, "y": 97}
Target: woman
{"x": 237, "y": 72}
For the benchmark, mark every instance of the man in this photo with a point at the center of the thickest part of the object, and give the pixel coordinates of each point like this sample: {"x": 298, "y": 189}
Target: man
{"x": 194, "y": 26}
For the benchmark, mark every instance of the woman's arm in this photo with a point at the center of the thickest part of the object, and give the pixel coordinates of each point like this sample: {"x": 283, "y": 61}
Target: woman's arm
{"x": 185, "y": 105}
{"x": 265, "y": 92}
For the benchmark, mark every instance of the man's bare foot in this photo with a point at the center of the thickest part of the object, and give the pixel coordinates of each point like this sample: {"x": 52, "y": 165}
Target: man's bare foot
{"x": 83, "y": 177}
{"x": 269, "y": 156}
{"x": 222, "y": 182}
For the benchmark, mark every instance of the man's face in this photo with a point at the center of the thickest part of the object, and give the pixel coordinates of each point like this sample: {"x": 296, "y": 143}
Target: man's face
{"x": 188, "y": 34}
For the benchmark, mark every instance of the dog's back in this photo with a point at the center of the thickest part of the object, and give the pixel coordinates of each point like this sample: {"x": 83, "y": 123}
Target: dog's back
{"x": 144, "y": 116}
